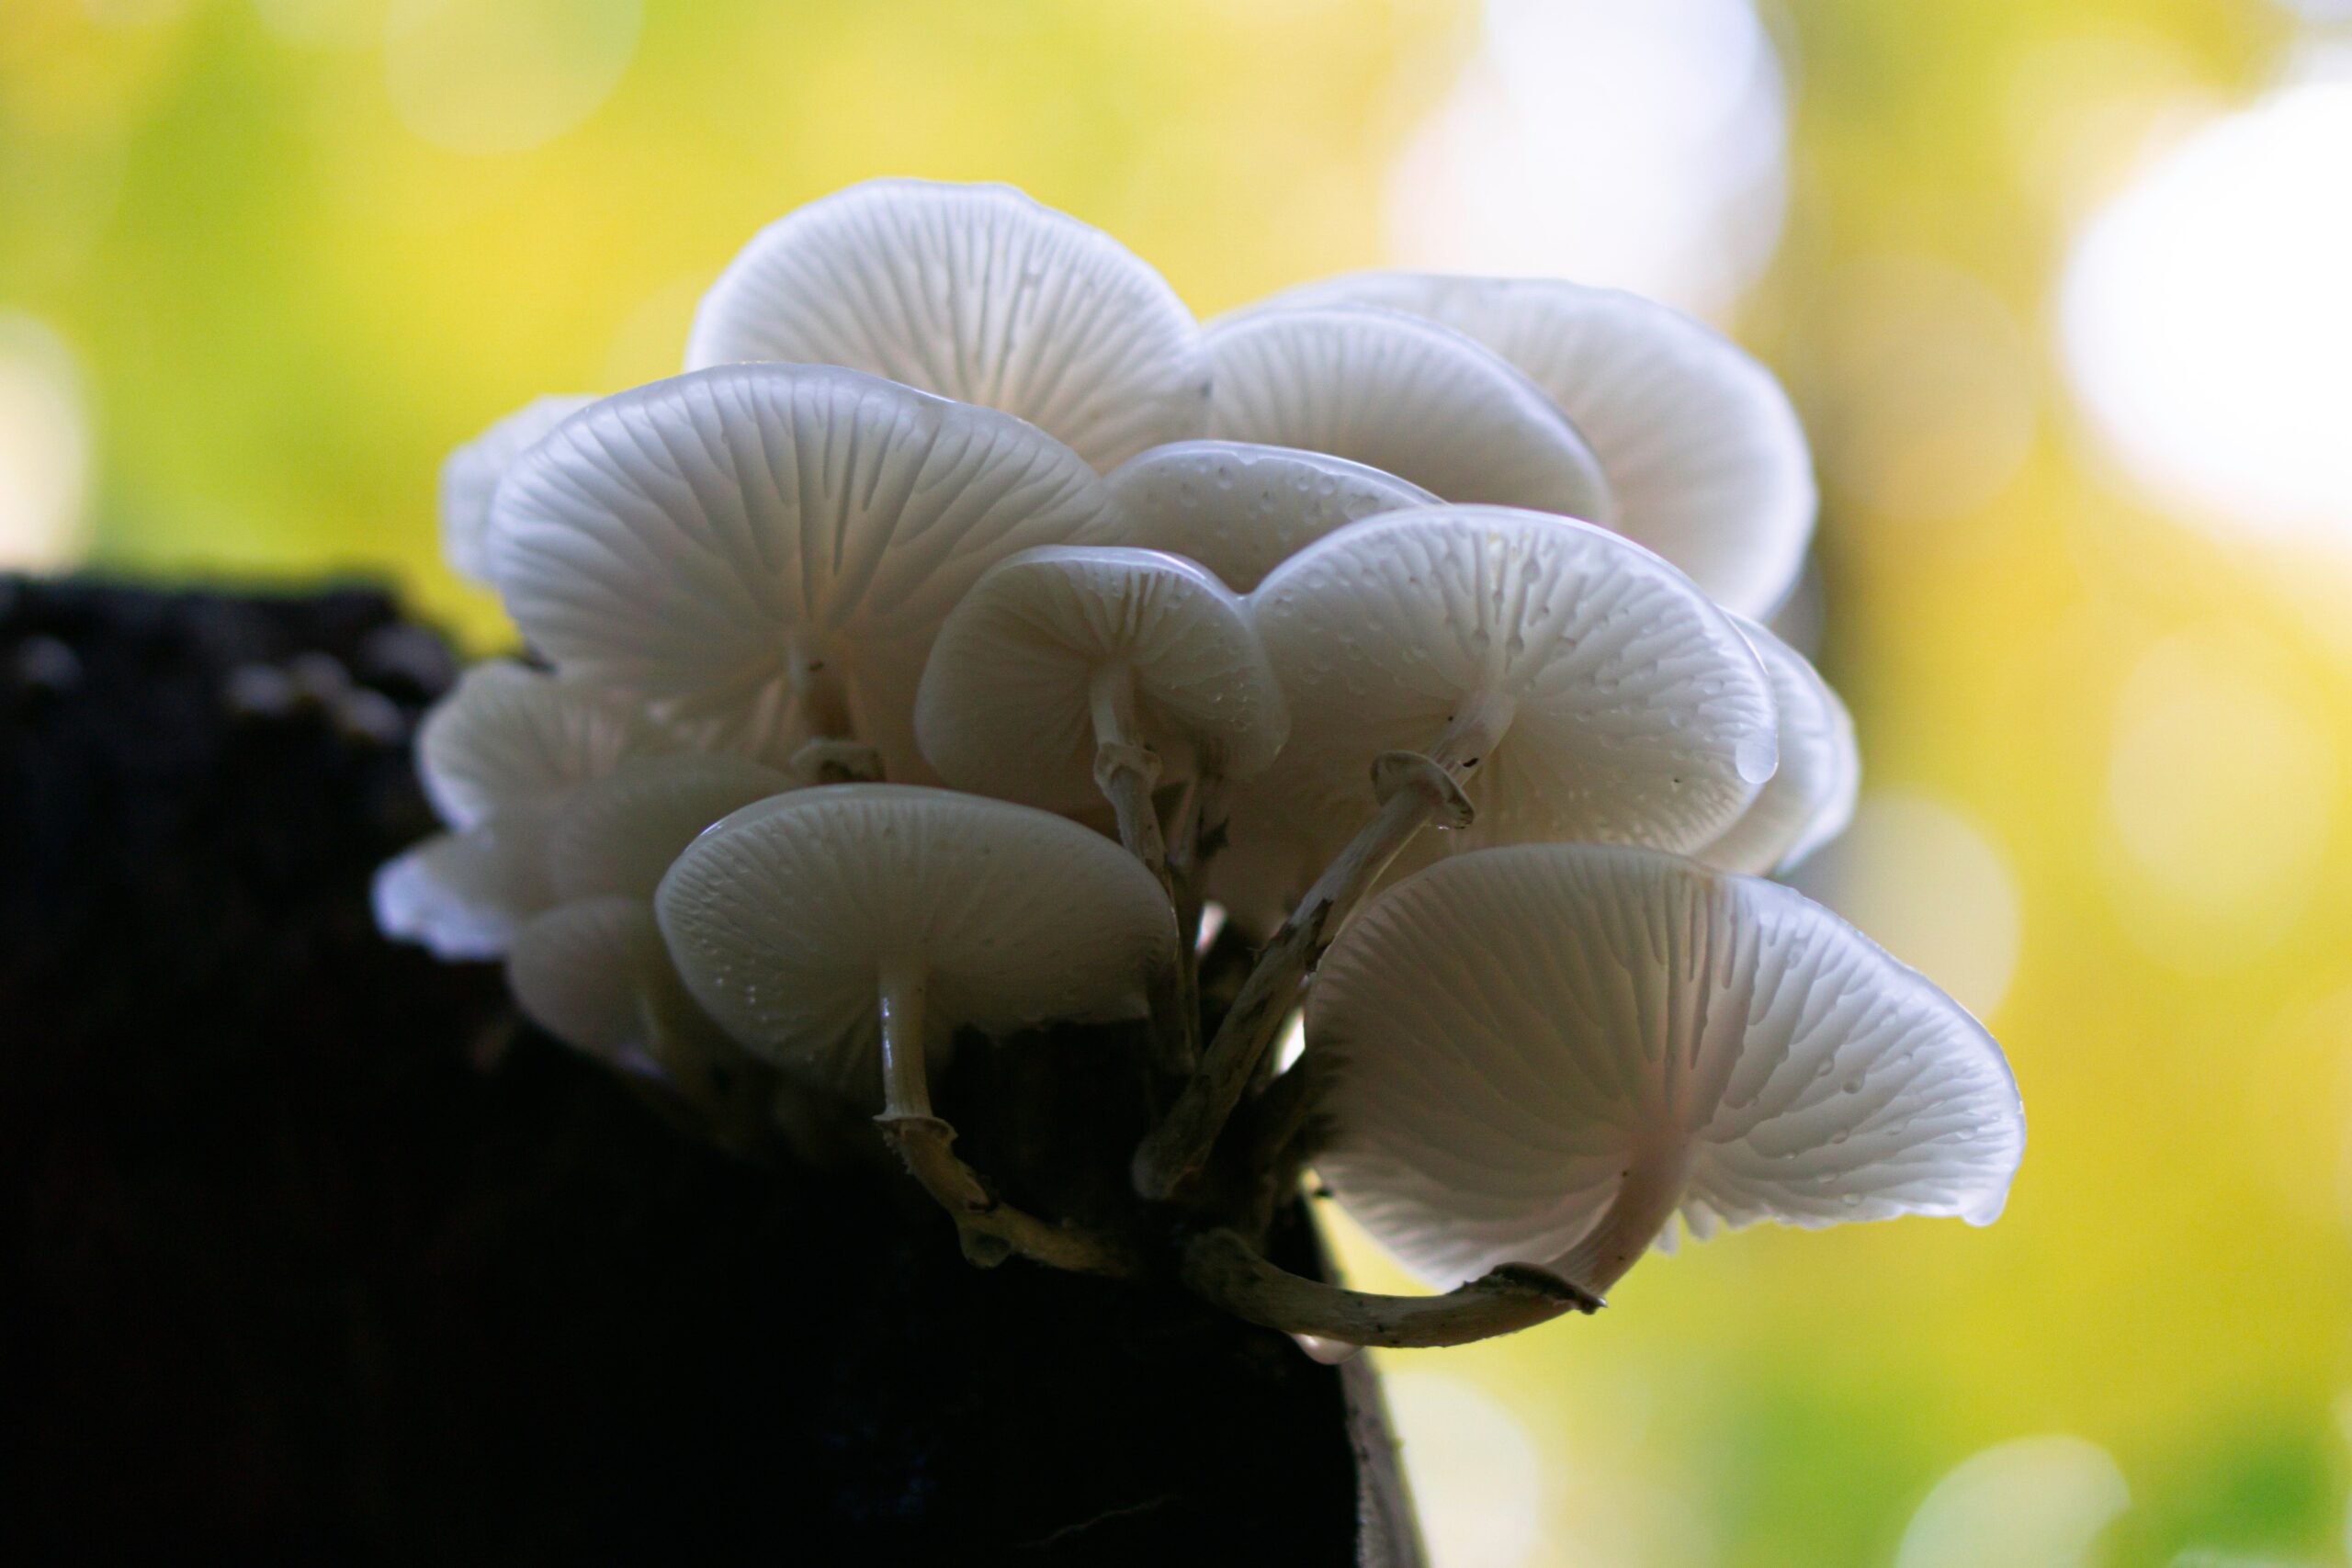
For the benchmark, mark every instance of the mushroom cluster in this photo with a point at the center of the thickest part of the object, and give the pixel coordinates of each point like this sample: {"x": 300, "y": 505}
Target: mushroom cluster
{"x": 969, "y": 640}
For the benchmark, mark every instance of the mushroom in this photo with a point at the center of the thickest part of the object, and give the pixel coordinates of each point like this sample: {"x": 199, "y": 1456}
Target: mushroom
{"x": 1706, "y": 458}
{"x": 1539, "y": 1054}
{"x": 1406, "y": 396}
{"x": 770, "y": 548}
{"x": 845, "y": 930}
{"x": 462, "y": 895}
{"x": 1542, "y": 677}
{"x": 1068, "y": 670}
{"x": 1810, "y": 797}
{"x": 469, "y": 478}
{"x": 508, "y": 734}
{"x": 618, "y": 834}
{"x": 1240, "y": 510}
{"x": 975, "y": 292}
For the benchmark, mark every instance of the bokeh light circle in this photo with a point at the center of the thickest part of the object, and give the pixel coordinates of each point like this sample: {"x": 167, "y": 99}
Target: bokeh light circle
{"x": 1474, "y": 1472}
{"x": 2207, "y": 320}
{"x": 2030, "y": 1502}
{"x": 1638, "y": 146}
{"x": 1927, "y": 886}
{"x": 503, "y": 75}
{"x": 44, "y": 448}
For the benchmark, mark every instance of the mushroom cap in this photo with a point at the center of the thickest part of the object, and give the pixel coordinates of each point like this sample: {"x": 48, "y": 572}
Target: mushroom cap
{"x": 470, "y": 477}
{"x": 508, "y": 736}
{"x": 975, "y": 292}
{"x": 1515, "y": 1031}
{"x": 1641, "y": 715}
{"x": 1706, "y": 458}
{"x": 782, "y": 917}
{"x": 1406, "y": 396}
{"x": 673, "y": 541}
{"x": 1810, "y": 797}
{"x": 583, "y": 972}
{"x": 616, "y": 835}
{"x": 1005, "y": 708}
{"x": 1240, "y": 509}
{"x": 461, "y": 896}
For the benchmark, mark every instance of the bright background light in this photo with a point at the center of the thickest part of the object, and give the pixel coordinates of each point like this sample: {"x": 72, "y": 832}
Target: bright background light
{"x": 2207, "y": 319}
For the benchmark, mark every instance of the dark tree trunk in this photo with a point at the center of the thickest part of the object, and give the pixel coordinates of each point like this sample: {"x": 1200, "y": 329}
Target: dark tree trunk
{"x": 308, "y": 1250}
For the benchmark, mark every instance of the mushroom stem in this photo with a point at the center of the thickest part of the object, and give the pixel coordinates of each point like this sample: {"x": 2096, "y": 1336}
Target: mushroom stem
{"x": 1413, "y": 789}
{"x": 1126, "y": 770}
{"x": 1223, "y": 1268}
{"x": 1646, "y": 1197}
{"x": 818, "y": 692}
{"x": 1200, "y": 833}
{"x": 990, "y": 1230}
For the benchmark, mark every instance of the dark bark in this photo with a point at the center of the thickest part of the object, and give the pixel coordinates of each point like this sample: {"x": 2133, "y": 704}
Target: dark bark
{"x": 308, "y": 1250}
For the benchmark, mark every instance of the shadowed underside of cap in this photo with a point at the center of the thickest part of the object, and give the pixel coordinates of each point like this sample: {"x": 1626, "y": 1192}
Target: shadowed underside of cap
{"x": 1810, "y": 797}
{"x": 511, "y": 736}
{"x": 700, "y": 539}
{"x": 977, "y": 293}
{"x": 1637, "y": 712}
{"x": 1705, "y": 456}
{"x": 1240, "y": 509}
{"x": 469, "y": 478}
{"x": 620, "y": 833}
{"x": 784, "y": 917}
{"x": 1522, "y": 1034}
{"x": 1406, "y": 396}
{"x": 1005, "y": 705}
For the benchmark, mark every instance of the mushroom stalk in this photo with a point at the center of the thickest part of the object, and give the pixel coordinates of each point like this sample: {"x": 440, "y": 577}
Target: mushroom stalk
{"x": 1126, "y": 770}
{"x": 1646, "y": 1199}
{"x": 818, "y": 691}
{"x": 1224, "y": 1270}
{"x": 1413, "y": 788}
{"x": 990, "y": 1230}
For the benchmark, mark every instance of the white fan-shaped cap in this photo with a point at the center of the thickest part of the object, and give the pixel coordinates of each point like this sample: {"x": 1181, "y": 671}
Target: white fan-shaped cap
{"x": 1810, "y": 797}
{"x": 469, "y": 478}
{"x": 784, "y": 918}
{"x": 618, "y": 834}
{"x": 1706, "y": 458}
{"x": 1239, "y": 509}
{"x": 1005, "y": 706}
{"x": 1638, "y": 712}
{"x": 1408, "y": 397}
{"x": 511, "y": 736}
{"x": 461, "y": 896}
{"x": 584, "y": 971}
{"x": 977, "y": 293}
{"x": 680, "y": 540}
{"x": 1541, "y": 1053}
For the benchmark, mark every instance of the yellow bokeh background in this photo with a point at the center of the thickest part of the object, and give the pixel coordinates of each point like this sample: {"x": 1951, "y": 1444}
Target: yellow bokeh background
{"x": 277, "y": 256}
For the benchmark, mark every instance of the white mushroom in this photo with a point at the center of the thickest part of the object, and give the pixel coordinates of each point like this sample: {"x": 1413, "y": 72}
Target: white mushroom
{"x": 1810, "y": 797}
{"x": 1706, "y": 458}
{"x": 469, "y": 478}
{"x": 1508, "y": 673}
{"x": 462, "y": 895}
{"x": 1068, "y": 670}
{"x": 974, "y": 292}
{"x": 619, "y": 834}
{"x": 1406, "y": 396}
{"x": 1240, "y": 510}
{"x": 592, "y": 973}
{"x": 1543, "y": 1054}
{"x": 846, "y": 931}
{"x": 507, "y": 735}
{"x": 771, "y": 547}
